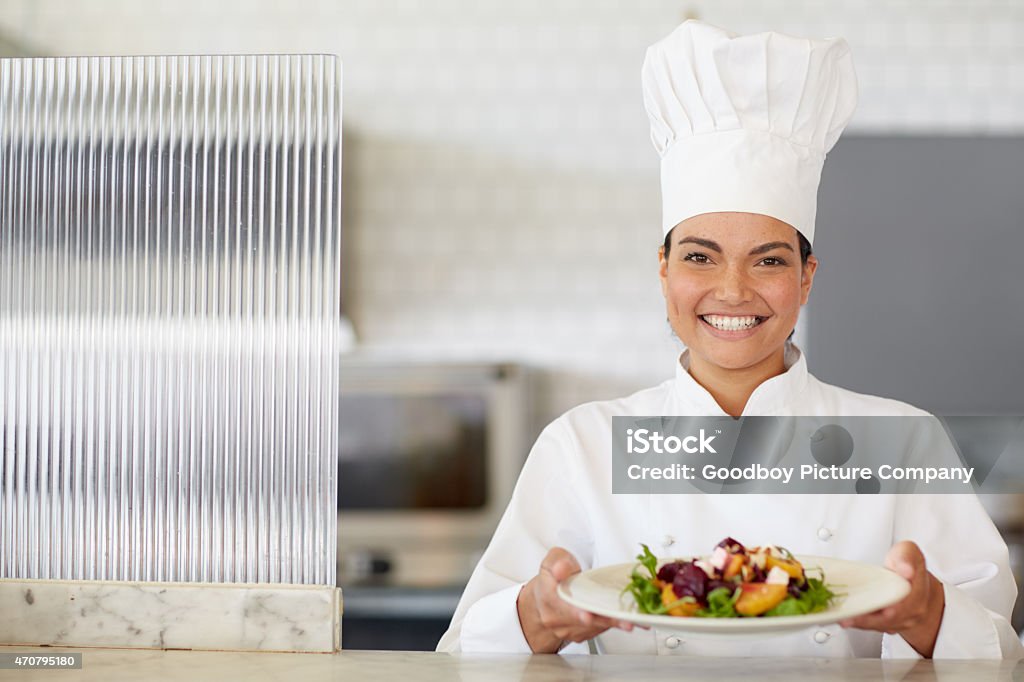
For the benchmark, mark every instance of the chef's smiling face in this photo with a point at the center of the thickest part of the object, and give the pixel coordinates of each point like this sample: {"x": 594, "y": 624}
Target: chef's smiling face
{"x": 733, "y": 286}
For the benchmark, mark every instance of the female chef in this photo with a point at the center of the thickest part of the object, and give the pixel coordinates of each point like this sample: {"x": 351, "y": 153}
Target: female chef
{"x": 742, "y": 124}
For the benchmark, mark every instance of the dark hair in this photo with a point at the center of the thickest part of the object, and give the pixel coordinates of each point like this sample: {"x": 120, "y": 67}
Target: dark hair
{"x": 805, "y": 246}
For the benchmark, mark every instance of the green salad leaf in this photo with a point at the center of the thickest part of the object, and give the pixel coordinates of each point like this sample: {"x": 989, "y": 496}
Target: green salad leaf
{"x": 648, "y": 560}
{"x": 816, "y": 598}
{"x": 721, "y": 603}
{"x": 645, "y": 592}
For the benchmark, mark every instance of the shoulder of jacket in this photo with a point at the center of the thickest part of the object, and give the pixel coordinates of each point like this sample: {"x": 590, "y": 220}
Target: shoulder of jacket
{"x": 838, "y": 400}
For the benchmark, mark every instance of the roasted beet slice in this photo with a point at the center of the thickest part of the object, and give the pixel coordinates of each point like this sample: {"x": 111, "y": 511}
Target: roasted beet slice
{"x": 732, "y": 546}
{"x": 668, "y": 572}
{"x": 796, "y": 588}
{"x": 691, "y": 581}
{"x": 715, "y": 584}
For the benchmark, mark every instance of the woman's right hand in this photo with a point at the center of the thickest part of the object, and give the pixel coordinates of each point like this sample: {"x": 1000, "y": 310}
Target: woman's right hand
{"x": 550, "y": 623}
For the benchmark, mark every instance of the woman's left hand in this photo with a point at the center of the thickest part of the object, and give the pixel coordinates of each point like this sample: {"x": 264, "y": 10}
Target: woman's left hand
{"x": 918, "y": 616}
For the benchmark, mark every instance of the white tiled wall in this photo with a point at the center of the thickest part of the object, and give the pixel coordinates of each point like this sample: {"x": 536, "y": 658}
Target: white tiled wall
{"x": 501, "y": 193}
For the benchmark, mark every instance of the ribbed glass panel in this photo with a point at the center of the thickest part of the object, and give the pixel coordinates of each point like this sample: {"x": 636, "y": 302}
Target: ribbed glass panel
{"x": 169, "y": 307}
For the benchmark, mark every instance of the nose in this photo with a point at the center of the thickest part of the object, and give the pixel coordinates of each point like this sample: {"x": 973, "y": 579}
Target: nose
{"x": 734, "y": 287}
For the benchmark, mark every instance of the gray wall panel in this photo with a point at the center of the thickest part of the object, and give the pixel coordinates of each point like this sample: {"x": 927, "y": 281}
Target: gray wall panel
{"x": 920, "y": 295}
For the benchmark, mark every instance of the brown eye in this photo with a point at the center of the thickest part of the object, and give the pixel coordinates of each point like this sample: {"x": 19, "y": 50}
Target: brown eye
{"x": 773, "y": 261}
{"x": 695, "y": 257}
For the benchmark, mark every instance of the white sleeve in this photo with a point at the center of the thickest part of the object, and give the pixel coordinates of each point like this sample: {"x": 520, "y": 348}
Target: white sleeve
{"x": 543, "y": 513}
{"x": 964, "y": 550}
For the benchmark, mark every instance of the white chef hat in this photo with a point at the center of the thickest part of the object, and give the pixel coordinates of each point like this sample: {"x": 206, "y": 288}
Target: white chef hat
{"x": 743, "y": 123}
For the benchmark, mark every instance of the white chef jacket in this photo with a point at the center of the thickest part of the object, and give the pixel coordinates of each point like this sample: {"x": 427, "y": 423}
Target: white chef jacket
{"x": 563, "y": 498}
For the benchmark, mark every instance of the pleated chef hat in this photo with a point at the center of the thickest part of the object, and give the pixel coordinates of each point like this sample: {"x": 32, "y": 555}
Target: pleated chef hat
{"x": 743, "y": 123}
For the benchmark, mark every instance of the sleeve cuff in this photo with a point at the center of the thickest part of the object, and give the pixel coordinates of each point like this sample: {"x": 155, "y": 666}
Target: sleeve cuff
{"x": 492, "y": 624}
{"x": 967, "y": 631}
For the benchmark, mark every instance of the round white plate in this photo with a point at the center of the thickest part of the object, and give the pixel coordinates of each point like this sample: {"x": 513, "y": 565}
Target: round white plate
{"x": 861, "y": 588}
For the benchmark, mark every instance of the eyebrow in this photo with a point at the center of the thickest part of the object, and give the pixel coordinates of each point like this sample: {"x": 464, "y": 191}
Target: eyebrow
{"x": 765, "y": 248}
{"x": 706, "y": 243}
{"x": 714, "y": 246}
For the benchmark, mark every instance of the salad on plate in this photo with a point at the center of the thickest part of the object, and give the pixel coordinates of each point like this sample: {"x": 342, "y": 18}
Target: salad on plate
{"x": 734, "y": 582}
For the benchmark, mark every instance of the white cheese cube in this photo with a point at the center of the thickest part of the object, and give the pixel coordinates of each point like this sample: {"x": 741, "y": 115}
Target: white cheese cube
{"x": 777, "y": 576}
{"x": 719, "y": 558}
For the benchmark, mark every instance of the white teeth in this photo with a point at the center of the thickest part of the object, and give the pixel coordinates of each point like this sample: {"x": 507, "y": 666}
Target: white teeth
{"x": 730, "y": 324}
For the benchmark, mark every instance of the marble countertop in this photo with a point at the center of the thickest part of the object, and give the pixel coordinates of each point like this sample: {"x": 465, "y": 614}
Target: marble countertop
{"x": 136, "y": 664}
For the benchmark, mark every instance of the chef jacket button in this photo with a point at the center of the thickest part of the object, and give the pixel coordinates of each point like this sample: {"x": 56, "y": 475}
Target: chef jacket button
{"x": 672, "y": 642}
{"x": 668, "y": 541}
{"x": 821, "y": 636}
{"x": 824, "y": 534}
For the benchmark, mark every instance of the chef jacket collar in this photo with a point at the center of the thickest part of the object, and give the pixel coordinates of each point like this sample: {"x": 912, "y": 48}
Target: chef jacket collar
{"x": 776, "y": 395}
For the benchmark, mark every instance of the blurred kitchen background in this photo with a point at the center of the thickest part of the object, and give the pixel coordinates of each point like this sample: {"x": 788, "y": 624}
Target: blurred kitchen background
{"x": 500, "y": 233}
